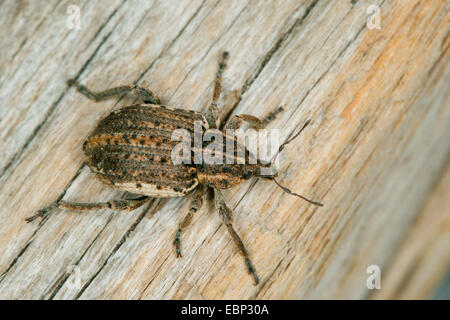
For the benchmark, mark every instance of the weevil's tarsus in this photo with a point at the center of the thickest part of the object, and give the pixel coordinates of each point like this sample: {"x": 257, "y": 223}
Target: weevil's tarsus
{"x": 218, "y": 81}
{"x": 196, "y": 204}
{"x": 140, "y": 93}
{"x": 117, "y": 205}
{"x": 227, "y": 217}
{"x": 293, "y": 137}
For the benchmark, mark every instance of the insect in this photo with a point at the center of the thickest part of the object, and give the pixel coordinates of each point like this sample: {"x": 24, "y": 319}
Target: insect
{"x": 130, "y": 150}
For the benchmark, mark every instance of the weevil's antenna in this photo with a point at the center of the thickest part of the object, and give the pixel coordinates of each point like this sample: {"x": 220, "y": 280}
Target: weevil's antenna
{"x": 276, "y": 155}
{"x": 295, "y": 136}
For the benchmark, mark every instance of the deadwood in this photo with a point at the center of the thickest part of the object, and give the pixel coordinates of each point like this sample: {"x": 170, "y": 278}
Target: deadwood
{"x": 377, "y": 145}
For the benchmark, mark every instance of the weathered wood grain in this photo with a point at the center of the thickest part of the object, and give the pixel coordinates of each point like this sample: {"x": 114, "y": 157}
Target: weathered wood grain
{"x": 422, "y": 261}
{"x": 379, "y": 142}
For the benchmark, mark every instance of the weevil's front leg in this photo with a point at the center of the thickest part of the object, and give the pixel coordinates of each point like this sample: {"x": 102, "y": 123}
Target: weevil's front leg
{"x": 236, "y": 121}
{"x": 212, "y": 114}
{"x": 226, "y": 215}
{"x": 118, "y": 205}
{"x": 196, "y": 204}
{"x": 141, "y": 93}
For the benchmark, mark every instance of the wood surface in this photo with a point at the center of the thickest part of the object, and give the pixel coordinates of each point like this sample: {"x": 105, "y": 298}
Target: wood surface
{"x": 379, "y": 143}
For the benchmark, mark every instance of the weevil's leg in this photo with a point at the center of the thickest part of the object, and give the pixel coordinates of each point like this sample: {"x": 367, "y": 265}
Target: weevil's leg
{"x": 141, "y": 93}
{"x": 226, "y": 214}
{"x": 118, "y": 205}
{"x": 212, "y": 114}
{"x": 236, "y": 121}
{"x": 196, "y": 204}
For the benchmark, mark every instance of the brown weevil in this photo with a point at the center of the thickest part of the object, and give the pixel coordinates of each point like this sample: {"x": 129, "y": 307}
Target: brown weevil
{"x": 131, "y": 150}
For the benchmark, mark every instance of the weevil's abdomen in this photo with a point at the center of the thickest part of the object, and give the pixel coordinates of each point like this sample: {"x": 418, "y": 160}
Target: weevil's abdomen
{"x": 130, "y": 149}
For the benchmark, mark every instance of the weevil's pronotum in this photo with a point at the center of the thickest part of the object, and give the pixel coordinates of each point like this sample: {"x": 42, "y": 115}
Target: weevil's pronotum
{"x": 130, "y": 150}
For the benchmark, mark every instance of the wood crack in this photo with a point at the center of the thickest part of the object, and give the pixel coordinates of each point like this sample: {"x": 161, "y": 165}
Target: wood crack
{"x": 13, "y": 263}
{"x": 381, "y": 88}
{"x": 307, "y": 93}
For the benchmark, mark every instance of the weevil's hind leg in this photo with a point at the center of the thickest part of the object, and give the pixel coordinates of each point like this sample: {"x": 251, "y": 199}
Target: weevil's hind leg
{"x": 226, "y": 214}
{"x": 236, "y": 121}
{"x": 196, "y": 204}
{"x": 141, "y": 93}
{"x": 118, "y": 205}
{"x": 212, "y": 114}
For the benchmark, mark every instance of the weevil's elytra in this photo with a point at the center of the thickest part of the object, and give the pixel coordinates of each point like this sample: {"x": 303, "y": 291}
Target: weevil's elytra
{"x": 130, "y": 150}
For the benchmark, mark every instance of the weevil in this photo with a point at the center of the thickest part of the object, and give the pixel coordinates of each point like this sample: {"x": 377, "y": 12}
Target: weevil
{"x": 130, "y": 150}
